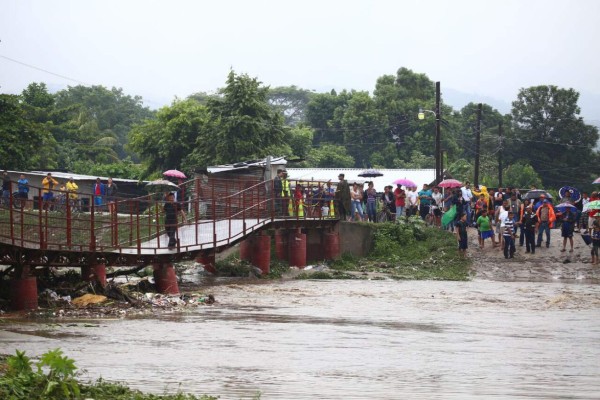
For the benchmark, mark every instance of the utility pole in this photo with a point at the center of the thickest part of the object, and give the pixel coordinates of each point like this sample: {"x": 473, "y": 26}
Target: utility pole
{"x": 477, "y": 145}
{"x": 500, "y": 155}
{"x": 438, "y": 147}
{"x": 442, "y": 151}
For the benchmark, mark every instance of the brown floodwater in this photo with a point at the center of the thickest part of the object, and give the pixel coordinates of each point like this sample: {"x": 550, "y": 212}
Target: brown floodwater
{"x": 348, "y": 339}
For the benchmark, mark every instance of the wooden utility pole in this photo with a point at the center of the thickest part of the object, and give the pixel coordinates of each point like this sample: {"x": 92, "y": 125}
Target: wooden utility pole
{"x": 500, "y": 149}
{"x": 438, "y": 146}
{"x": 477, "y": 145}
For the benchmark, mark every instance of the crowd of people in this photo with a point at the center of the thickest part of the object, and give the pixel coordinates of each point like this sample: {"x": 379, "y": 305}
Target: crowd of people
{"x": 504, "y": 216}
{"x": 56, "y": 195}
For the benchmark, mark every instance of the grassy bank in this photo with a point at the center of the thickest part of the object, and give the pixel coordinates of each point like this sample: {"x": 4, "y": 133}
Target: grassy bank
{"x": 403, "y": 250}
{"x": 54, "y": 377}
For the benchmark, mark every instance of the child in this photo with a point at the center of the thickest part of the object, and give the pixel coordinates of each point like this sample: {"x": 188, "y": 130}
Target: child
{"x": 508, "y": 235}
{"x": 461, "y": 235}
{"x": 484, "y": 225}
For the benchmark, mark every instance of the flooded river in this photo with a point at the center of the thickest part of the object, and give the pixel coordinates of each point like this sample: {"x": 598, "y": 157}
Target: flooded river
{"x": 350, "y": 340}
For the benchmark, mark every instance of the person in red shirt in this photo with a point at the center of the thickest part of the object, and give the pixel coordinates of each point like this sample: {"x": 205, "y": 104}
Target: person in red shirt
{"x": 400, "y": 196}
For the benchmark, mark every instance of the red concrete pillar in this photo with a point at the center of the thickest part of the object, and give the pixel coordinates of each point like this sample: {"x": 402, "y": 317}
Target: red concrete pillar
{"x": 261, "y": 255}
{"x": 208, "y": 261}
{"x": 165, "y": 279}
{"x": 297, "y": 249}
{"x": 281, "y": 244}
{"x": 23, "y": 294}
{"x": 246, "y": 249}
{"x": 331, "y": 245}
{"x": 94, "y": 273}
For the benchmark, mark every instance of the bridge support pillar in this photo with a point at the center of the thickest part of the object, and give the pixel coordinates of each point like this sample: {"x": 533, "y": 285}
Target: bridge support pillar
{"x": 331, "y": 245}
{"x": 94, "y": 273}
{"x": 23, "y": 293}
{"x": 261, "y": 256}
{"x": 281, "y": 244}
{"x": 246, "y": 249}
{"x": 297, "y": 249}
{"x": 165, "y": 279}
{"x": 208, "y": 261}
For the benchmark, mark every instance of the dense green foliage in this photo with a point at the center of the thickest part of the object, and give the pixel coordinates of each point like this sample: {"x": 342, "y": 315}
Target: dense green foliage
{"x": 53, "y": 377}
{"x": 94, "y": 129}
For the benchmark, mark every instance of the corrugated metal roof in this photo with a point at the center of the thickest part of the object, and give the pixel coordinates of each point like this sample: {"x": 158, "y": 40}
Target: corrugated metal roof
{"x": 243, "y": 165}
{"x": 419, "y": 176}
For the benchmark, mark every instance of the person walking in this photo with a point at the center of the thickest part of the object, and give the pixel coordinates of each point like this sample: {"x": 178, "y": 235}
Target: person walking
{"x": 170, "y": 209}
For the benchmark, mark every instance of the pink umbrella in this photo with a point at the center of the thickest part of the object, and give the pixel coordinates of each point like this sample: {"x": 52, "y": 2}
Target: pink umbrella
{"x": 404, "y": 182}
{"x": 597, "y": 181}
{"x": 173, "y": 173}
{"x": 449, "y": 183}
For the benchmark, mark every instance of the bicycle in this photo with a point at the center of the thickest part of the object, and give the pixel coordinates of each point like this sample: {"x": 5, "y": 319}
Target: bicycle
{"x": 385, "y": 215}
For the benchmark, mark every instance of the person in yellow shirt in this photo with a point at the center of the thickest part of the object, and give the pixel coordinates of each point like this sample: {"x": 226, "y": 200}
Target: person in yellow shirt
{"x": 72, "y": 188}
{"x": 48, "y": 183}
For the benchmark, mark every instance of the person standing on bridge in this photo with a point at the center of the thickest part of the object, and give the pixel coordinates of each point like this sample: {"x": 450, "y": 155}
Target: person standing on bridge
{"x": 170, "y": 209}
{"x": 99, "y": 191}
{"x": 277, "y": 189}
{"x": 6, "y": 188}
{"x": 47, "y": 195}
{"x": 342, "y": 197}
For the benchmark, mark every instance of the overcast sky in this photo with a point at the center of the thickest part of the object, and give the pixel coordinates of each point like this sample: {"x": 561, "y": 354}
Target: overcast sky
{"x": 163, "y": 49}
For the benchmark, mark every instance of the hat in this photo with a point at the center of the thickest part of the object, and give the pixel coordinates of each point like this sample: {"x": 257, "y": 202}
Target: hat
{"x": 341, "y": 175}
{"x": 542, "y": 195}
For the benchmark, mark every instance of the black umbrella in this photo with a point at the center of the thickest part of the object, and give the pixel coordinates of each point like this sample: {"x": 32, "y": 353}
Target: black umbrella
{"x": 536, "y": 194}
{"x": 370, "y": 173}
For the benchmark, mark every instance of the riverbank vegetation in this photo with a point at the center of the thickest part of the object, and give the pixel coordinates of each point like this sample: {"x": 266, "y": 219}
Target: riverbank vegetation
{"x": 54, "y": 377}
{"x": 405, "y": 250}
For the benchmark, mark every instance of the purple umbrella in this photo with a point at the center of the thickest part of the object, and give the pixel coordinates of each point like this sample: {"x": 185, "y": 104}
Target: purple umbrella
{"x": 173, "y": 173}
{"x": 562, "y": 207}
{"x": 404, "y": 182}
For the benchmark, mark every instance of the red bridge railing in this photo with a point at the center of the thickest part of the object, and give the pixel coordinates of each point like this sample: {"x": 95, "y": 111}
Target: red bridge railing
{"x": 211, "y": 213}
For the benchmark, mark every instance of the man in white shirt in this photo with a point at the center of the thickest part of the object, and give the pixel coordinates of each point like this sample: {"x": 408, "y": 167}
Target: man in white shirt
{"x": 413, "y": 201}
{"x": 467, "y": 196}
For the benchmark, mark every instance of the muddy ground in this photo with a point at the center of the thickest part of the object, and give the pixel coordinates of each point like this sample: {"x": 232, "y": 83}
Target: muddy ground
{"x": 546, "y": 265}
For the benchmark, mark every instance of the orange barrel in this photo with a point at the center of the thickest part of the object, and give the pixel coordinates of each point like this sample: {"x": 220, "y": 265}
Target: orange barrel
{"x": 208, "y": 261}
{"x": 246, "y": 249}
{"x": 281, "y": 244}
{"x": 332, "y": 245}
{"x": 165, "y": 279}
{"x": 261, "y": 256}
{"x": 297, "y": 246}
{"x": 23, "y": 294}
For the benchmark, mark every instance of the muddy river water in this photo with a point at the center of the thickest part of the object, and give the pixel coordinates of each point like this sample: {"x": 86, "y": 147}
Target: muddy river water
{"x": 348, "y": 339}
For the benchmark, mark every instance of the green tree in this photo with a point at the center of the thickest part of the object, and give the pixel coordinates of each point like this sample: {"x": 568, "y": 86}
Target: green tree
{"x": 320, "y": 115}
{"x": 243, "y": 125}
{"x": 167, "y": 141}
{"x": 291, "y": 102}
{"x": 329, "y": 156}
{"x": 521, "y": 175}
{"x": 546, "y": 118}
{"x": 26, "y": 144}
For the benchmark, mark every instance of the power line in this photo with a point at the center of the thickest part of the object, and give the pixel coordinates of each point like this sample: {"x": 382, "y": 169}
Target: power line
{"x": 45, "y": 70}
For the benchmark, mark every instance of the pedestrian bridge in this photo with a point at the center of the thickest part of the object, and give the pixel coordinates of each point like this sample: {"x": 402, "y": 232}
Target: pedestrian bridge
{"x": 214, "y": 214}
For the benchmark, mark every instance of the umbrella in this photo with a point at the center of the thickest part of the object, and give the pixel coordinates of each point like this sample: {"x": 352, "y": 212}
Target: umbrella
{"x": 536, "y": 194}
{"x": 161, "y": 182}
{"x": 573, "y": 193}
{"x": 449, "y": 183}
{"x": 404, "y": 182}
{"x": 370, "y": 173}
{"x": 592, "y": 205}
{"x": 597, "y": 181}
{"x": 173, "y": 173}
{"x": 562, "y": 207}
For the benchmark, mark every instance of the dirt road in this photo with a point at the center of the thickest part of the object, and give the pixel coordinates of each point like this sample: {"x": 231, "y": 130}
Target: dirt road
{"x": 546, "y": 265}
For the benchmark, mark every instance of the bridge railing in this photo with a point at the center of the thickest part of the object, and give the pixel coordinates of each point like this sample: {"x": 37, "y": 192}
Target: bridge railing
{"x": 211, "y": 212}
